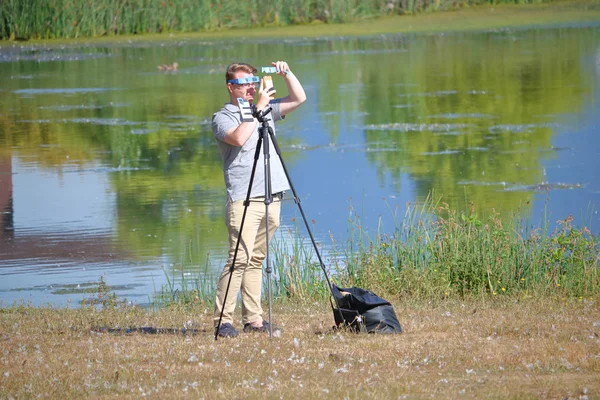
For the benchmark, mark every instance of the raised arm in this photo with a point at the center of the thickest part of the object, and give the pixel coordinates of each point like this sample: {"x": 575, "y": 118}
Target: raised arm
{"x": 296, "y": 95}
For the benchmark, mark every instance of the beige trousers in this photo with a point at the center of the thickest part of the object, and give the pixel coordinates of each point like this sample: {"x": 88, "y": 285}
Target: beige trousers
{"x": 247, "y": 273}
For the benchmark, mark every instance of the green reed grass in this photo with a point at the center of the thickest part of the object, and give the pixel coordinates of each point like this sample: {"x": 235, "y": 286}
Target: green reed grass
{"x": 439, "y": 252}
{"x": 432, "y": 252}
{"x": 188, "y": 284}
{"x": 45, "y": 19}
{"x": 296, "y": 270}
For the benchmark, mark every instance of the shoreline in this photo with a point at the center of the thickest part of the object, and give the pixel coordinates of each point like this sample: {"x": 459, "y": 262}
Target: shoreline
{"x": 473, "y": 19}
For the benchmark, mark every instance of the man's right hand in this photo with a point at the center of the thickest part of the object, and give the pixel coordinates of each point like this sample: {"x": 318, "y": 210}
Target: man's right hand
{"x": 264, "y": 97}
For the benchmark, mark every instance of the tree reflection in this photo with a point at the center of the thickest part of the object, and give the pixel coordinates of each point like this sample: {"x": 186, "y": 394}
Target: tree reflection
{"x": 465, "y": 115}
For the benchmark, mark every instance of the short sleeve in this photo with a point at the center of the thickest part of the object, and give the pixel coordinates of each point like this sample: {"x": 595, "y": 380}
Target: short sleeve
{"x": 276, "y": 110}
{"x": 223, "y": 122}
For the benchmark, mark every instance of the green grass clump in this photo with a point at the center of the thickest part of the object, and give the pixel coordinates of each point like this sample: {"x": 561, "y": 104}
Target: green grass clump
{"x": 187, "y": 285}
{"x": 436, "y": 252}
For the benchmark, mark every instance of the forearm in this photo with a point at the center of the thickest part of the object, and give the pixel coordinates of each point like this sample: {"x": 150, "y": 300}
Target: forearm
{"x": 240, "y": 135}
{"x": 295, "y": 89}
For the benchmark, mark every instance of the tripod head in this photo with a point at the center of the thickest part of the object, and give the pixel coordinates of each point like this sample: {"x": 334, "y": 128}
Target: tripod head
{"x": 261, "y": 115}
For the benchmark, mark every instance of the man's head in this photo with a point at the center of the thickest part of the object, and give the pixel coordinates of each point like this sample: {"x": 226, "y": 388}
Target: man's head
{"x": 245, "y": 90}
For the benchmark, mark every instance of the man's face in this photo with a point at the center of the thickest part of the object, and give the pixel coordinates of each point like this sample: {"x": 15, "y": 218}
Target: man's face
{"x": 246, "y": 91}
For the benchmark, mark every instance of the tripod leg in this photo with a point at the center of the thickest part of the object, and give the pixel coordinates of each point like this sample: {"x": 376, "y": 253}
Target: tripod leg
{"x": 268, "y": 201}
{"x": 297, "y": 200}
{"x": 268, "y": 269}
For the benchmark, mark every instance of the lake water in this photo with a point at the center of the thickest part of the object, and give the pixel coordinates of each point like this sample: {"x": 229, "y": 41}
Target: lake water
{"x": 108, "y": 166}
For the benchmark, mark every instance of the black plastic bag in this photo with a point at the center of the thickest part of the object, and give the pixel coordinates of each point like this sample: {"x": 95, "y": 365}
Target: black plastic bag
{"x": 364, "y": 311}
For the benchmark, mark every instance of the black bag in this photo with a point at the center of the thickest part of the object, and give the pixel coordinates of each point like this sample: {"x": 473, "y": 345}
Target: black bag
{"x": 364, "y": 311}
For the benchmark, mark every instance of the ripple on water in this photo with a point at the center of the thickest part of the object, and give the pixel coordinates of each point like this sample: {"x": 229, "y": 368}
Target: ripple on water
{"x": 408, "y": 127}
{"x": 192, "y": 118}
{"x": 440, "y": 153}
{"x": 182, "y": 126}
{"x": 63, "y": 90}
{"x": 34, "y": 121}
{"x": 173, "y": 124}
{"x": 102, "y": 121}
{"x": 96, "y": 170}
{"x": 143, "y": 131}
{"x": 73, "y": 288}
{"x": 438, "y": 93}
{"x": 519, "y": 128}
{"x": 460, "y": 116}
{"x": 543, "y": 187}
{"x": 481, "y": 183}
{"x": 65, "y": 107}
{"x": 451, "y": 133}
{"x": 477, "y": 149}
{"x": 360, "y": 52}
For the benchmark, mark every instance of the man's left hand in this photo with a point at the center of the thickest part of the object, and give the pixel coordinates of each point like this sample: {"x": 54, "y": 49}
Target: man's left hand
{"x": 282, "y": 67}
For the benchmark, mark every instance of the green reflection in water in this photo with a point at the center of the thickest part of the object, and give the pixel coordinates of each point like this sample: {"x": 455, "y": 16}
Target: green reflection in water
{"x": 464, "y": 115}
{"x": 149, "y": 131}
{"x": 461, "y": 114}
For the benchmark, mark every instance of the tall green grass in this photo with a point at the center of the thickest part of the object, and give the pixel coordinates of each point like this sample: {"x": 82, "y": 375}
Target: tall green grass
{"x": 434, "y": 252}
{"x": 437, "y": 252}
{"x": 45, "y": 19}
{"x": 188, "y": 284}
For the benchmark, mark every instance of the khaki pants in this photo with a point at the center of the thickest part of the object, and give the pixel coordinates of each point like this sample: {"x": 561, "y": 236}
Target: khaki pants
{"x": 247, "y": 273}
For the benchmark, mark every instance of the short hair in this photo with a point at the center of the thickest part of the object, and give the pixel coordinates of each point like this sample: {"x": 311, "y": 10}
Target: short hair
{"x": 235, "y": 67}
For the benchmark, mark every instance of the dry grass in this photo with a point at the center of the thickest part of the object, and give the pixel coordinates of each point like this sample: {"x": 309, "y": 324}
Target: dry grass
{"x": 474, "y": 349}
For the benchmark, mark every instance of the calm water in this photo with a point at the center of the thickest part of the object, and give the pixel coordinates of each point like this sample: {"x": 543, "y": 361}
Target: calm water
{"x": 108, "y": 167}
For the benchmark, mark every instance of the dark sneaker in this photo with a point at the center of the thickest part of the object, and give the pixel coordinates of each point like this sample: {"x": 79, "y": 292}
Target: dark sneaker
{"x": 227, "y": 330}
{"x": 248, "y": 328}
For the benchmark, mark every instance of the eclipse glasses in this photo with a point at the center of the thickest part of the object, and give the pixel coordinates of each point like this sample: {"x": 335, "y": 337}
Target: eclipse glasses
{"x": 253, "y": 79}
{"x": 241, "y": 81}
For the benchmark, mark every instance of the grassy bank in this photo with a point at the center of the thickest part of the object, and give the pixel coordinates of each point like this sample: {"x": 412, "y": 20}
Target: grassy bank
{"x": 494, "y": 348}
{"x": 428, "y": 252}
{"x": 54, "y": 19}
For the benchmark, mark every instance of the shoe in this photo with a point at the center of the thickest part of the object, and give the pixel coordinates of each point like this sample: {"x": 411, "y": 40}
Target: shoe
{"x": 248, "y": 328}
{"x": 227, "y": 330}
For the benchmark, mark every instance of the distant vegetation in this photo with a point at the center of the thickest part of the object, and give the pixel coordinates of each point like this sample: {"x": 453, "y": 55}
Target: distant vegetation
{"x": 46, "y": 19}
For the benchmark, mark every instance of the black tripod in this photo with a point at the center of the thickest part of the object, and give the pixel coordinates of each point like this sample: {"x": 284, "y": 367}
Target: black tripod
{"x": 264, "y": 132}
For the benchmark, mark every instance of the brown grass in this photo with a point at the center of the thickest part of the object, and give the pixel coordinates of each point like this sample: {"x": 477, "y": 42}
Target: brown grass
{"x": 472, "y": 349}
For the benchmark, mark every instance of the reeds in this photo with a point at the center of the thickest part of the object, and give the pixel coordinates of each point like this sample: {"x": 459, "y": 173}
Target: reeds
{"x": 187, "y": 285}
{"x": 437, "y": 252}
{"x": 45, "y": 19}
{"x": 434, "y": 252}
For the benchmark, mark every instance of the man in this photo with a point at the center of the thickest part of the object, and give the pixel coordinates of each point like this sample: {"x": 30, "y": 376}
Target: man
{"x": 237, "y": 141}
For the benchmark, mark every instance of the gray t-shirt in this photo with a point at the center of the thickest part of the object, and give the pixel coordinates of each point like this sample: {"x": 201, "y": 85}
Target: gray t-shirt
{"x": 238, "y": 161}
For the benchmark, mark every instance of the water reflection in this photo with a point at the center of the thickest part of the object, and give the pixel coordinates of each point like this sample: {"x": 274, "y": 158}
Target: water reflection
{"x": 108, "y": 166}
